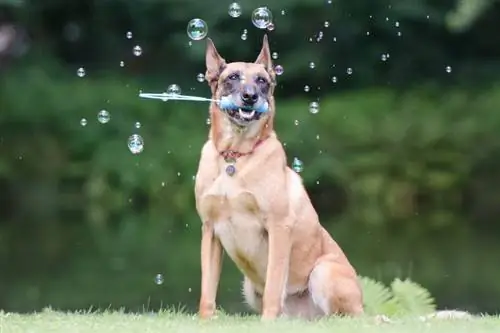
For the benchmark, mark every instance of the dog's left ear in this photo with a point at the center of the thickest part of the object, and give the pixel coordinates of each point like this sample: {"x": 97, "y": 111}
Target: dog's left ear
{"x": 264, "y": 57}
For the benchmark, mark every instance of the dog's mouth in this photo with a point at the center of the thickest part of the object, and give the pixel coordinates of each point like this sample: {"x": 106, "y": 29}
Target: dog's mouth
{"x": 243, "y": 114}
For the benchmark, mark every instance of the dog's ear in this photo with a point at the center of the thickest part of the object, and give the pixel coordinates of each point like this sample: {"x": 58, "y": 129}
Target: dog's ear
{"x": 264, "y": 57}
{"x": 215, "y": 63}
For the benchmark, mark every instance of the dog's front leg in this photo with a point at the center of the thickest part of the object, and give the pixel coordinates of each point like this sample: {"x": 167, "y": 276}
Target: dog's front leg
{"x": 277, "y": 269}
{"x": 211, "y": 263}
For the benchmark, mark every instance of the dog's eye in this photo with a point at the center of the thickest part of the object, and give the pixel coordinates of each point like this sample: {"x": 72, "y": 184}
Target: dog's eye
{"x": 261, "y": 80}
{"x": 234, "y": 76}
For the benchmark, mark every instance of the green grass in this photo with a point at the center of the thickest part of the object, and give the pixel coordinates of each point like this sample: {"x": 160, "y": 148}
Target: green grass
{"x": 168, "y": 322}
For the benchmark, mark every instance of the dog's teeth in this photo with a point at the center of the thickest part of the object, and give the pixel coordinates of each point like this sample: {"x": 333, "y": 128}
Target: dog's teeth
{"x": 246, "y": 115}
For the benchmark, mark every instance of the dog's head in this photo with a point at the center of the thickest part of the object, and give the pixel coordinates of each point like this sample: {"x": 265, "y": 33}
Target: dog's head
{"x": 244, "y": 89}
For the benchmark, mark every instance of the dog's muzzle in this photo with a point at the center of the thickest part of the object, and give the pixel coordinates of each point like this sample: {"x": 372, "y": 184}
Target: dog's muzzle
{"x": 245, "y": 112}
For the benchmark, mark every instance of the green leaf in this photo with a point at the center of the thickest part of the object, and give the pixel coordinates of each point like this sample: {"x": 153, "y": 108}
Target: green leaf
{"x": 377, "y": 298}
{"x": 412, "y": 298}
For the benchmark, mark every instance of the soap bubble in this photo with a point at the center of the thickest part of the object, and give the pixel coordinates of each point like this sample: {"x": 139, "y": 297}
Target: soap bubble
{"x": 200, "y": 77}
{"x": 103, "y": 116}
{"x": 135, "y": 144}
{"x": 314, "y": 107}
{"x": 197, "y": 29}
{"x": 174, "y": 89}
{"x": 234, "y": 10}
{"x": 278, "y": 69}
{"x": 80, "y": 72}
{"x": 262, "y": 17}
{"x": 137, "y": 50}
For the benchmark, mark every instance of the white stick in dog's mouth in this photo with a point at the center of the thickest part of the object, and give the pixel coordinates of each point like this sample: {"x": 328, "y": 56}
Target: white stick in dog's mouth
{"x": 246, "y": 115}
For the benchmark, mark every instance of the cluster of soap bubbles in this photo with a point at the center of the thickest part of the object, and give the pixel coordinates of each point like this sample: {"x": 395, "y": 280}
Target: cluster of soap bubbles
{"x": 262, "y": 18}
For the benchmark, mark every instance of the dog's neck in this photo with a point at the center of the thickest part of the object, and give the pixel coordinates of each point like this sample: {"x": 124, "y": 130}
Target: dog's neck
{"x": 228, "y": 136}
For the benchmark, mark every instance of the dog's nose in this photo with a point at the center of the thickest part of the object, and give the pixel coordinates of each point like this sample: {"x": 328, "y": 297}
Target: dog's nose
{"x": 249, "y": 96}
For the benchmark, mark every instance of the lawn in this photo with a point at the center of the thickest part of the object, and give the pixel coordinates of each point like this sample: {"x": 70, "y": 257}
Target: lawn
{"x": 168, "y": 322}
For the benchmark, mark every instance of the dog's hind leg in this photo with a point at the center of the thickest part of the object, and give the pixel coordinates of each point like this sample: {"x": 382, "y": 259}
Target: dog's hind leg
{"x": 334, "y": 288}
{"x": 251, "y": 296}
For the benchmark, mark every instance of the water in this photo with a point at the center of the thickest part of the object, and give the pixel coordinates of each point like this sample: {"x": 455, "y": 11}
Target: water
{"x": 197, "y": 29}
{"x": 174, "y": 89}
{"x": 103, "y": 116}
{"x": 200, "y": 77}
{"x": 297, "y": 165}
{"x": 262, "y": 17}
{"x": 80, "y": 72}
{"x": 234, "y": 10}
{"x": 278, "y": 69}
{"x": 135, "y": 144}
{"x": 314, "y": 107}
{"x": 137, "y": 50}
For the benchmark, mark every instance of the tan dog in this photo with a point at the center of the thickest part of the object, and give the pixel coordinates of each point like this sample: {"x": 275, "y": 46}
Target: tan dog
{"x": 255, "y": 207}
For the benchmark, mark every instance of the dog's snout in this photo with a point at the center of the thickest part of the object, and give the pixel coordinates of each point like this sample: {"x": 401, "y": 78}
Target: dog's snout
{"x": 249, "y": 95}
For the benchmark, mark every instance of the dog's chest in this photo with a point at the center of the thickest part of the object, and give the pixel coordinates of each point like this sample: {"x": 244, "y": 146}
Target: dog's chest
{"x": 238, "y": 223}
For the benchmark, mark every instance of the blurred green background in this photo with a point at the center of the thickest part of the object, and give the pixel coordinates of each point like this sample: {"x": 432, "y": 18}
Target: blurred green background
{"x": 402, "y": 161}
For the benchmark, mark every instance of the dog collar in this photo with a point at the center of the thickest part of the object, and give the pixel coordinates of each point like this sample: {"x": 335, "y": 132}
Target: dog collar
{"x": 230, "y": 156}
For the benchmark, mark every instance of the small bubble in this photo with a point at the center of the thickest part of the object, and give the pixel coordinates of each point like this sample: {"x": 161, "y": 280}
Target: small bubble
{"x": 278, "y": 69}
{"x": 135, "y": 144}
{"x": 306, "y": 88}
{"x": 428, "y": 16}
{"x": 329, "y": 2}
{"x": 234, "y": 10}
{"x": 137, "y": 50}
{"x": 245, "y": 31}
{"x": 448, "y": 69}
{"x": 80, "y": 72}
{"x": 383, "y": 57}
{"x": 262, "y": 17}
{"x": 314, "y": 107}
{"x": 189, "y": 290}
{"x": 129, "y": 35}
{"x": 297, "y": 165}
{"x": 368, "y": 33}
{"x": 137, "y": 125}
{"x": 200, "y": 77}
{"x": 349, "y": 71}
{"x": 275, "y": 55}
{"x": 209, "y": 121}
{"x": 334, "y": 79}
{"x": 270, "y": 27}
{"x": 312, "y": 65}
{"x": 296, "y": 122}
{"x": 326, "y": 24}
{"x": 399, "y": 34}
{"x": 396, "y": 24}
{"x": 197, "y": 29}
{"x": 83, "y": 122}
{"x": 335, "y": 39}
{"x": 103, "y": 116}
{"x": 283, "y": 12}
{"x": 122, "y": 63}
{"x": 244, "y": 36}
{"x": 174, "y": 89}
{"x": 159, "y": 279}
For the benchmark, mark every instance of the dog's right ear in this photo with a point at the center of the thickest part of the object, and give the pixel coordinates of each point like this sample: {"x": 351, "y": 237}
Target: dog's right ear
{"x": 215, "y": 63}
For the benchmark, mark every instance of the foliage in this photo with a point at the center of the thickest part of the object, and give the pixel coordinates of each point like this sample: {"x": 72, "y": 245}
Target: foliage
{"x": 405, "y": 298}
